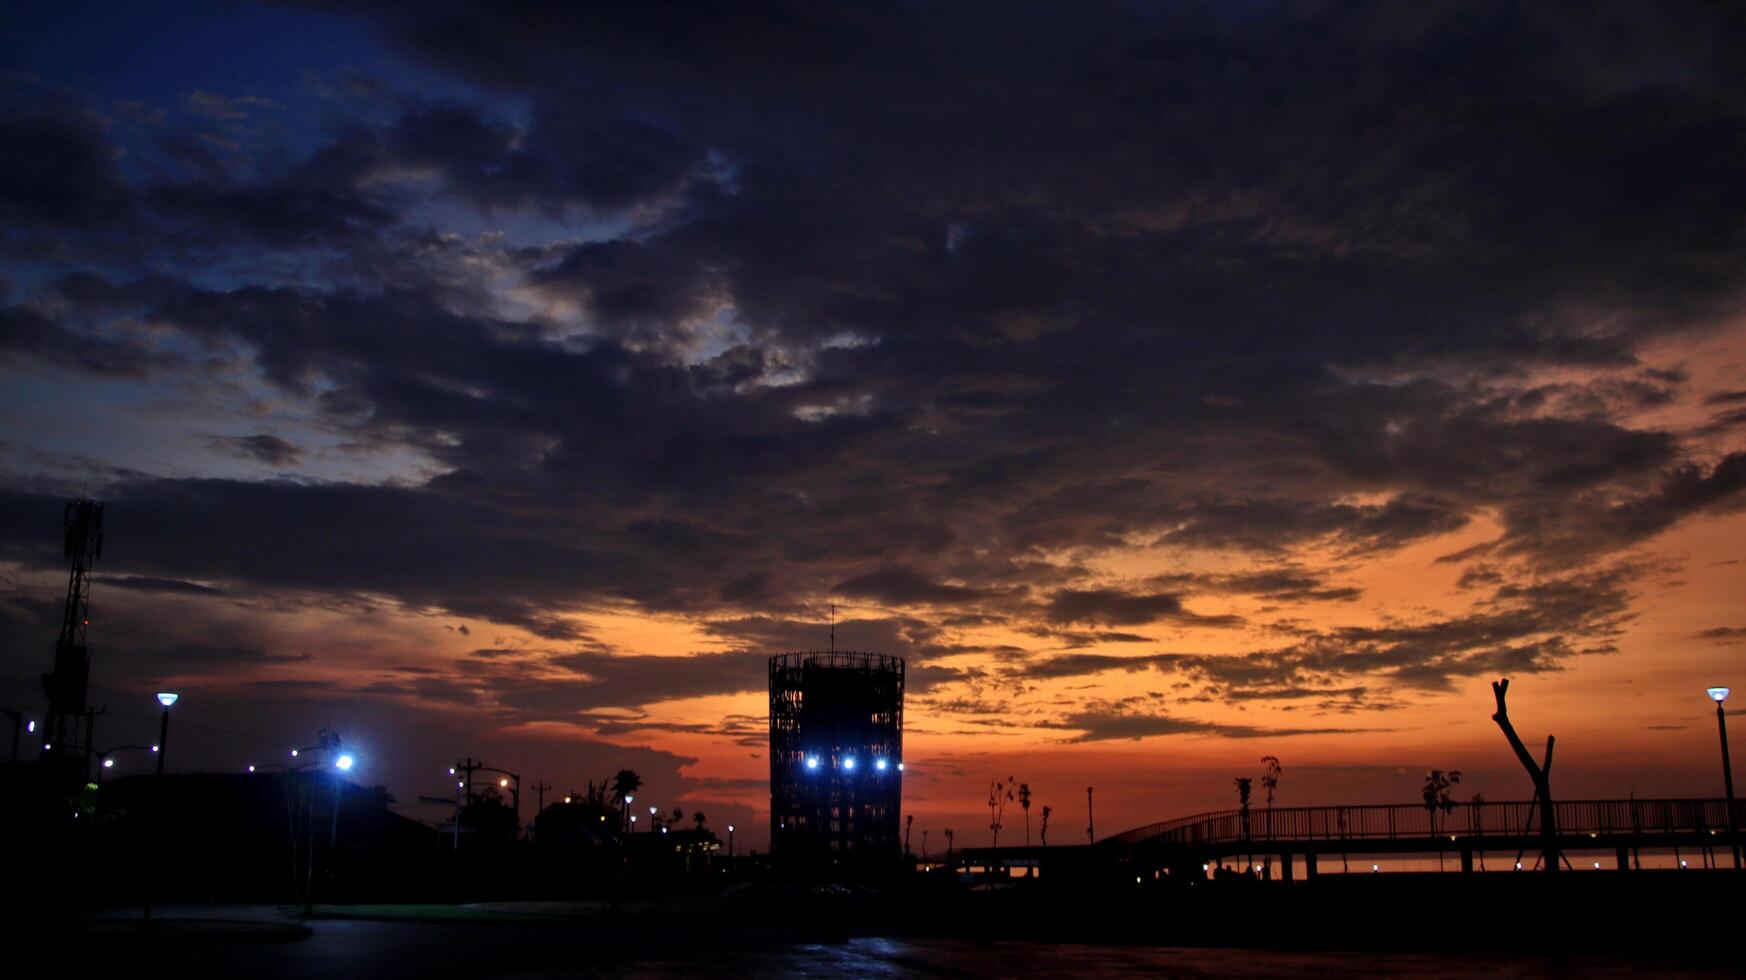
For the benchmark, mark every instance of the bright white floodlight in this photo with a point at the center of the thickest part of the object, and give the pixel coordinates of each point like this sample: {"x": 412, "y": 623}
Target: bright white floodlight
{"x": 344, "y": 763}
{"x": 166, "y": 698}
{"x": 849, "y": 763}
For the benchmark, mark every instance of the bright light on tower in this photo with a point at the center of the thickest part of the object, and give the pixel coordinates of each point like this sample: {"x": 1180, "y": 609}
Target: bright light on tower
{"x": 166, "y": 698}
{"x": 849, "y": 763}
{"x": 1718, "y": 694}
{"x": 879, "y": 764}
{"x": 343, "y": 763}
{"x": 812, "y": 762}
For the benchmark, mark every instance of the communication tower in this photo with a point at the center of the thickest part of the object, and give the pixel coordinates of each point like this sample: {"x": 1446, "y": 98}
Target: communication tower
{"x": 66, "y": 734}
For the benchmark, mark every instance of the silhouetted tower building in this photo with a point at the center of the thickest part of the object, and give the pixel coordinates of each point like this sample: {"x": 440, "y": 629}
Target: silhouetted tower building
{"x": 67, "y": 729}
{"x": 836, "y": 756}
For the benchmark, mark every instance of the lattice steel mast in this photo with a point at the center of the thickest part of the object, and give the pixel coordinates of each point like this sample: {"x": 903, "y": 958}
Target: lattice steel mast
{"x": 66, "y": 730}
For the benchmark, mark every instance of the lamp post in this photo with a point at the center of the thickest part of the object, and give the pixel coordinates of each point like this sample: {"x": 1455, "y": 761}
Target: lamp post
{"x": 1718, "y": 695}
{"x": 106, "y": 758}
{"x": 166, "y": 699}
{"x": 730, "y": 841}
{"x": 652, "y": 811}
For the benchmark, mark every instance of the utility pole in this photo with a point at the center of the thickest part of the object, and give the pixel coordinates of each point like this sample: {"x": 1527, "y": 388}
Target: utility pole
{"x": 469, "y": 767}
{"x": 540, "y": 791}
{"x": 1090, "y": 821}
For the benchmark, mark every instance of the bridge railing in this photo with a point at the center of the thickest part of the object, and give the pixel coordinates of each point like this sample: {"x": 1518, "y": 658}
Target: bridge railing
{"x": 1407, "y": 820}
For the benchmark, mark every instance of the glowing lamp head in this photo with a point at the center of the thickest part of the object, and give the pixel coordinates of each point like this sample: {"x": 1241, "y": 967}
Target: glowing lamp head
{"x": 849, "y": 764}
{"x": 1718, "y": 694}
{"x": 880, "y": 764}
{"x": 154, "y": 748}
{"x": 730, "y": 828}
{"x": 566, "y": 799}
{"x": 503, "y": 782}
{"x": 344, "y": 763}
{"x": 630, "y": 799}
{"x": 109, "y": 763}
{"x": 166, "y": 698}
{"x": 293, "y": 753}
{"x": 251, "y": 769}
{"x": 451, "y": 770}
{"x": 900, "y": 767}
{"x": 31, "y": 727}
{"x": 652, "y": 811}
{"x": 812, "y": 762}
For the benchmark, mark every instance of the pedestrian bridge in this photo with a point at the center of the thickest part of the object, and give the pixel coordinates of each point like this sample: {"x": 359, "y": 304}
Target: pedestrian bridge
{"x": 1623, "y": 826}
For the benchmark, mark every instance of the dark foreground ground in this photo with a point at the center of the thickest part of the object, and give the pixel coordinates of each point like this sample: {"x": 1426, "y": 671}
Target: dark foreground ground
{"x": 355, "y": 948}
{"x": 1590, "y": 926}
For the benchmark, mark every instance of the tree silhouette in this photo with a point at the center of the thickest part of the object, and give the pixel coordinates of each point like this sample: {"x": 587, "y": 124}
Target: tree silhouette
{"x": 999, "y": 794}
{"x": 1270, "y": 776}
{"x": 908, "y": 822}
{"x": 1024, "y": 799}
{"x": 491, "y": 820}
{"x": 625, "y": 786}
{"x": 1437, "y": 798}
{"x": 1043, "y": 832}
{"x": 949, "y": 838}
{"x": 1540, "y": 773}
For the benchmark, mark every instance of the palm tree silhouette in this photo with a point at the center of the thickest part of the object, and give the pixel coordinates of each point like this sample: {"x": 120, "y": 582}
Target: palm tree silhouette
{"x": 625, "y": 786}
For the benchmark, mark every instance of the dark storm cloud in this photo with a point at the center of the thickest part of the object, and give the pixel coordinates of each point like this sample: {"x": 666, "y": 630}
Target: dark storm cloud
{"x": 880, "y": 302}
{"x": 263, "y": 447}
{"x": 56, "y": 166}
{"x": 1115, "y": 608}
{"x": 1107, "y": 725}
{"x": 26, "y": 333}
{"x": 902, "y": 587}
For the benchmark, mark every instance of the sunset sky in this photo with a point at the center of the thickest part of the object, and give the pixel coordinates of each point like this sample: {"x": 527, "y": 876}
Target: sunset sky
{"x": 1171, "y": 384}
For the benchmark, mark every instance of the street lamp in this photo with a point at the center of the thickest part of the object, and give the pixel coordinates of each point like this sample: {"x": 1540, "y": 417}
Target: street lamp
{"x": 730, "y": 840}
{"x": 165, "y": 698}
{"x": 652, "y": 811}
{"x": 1718, "y": 695}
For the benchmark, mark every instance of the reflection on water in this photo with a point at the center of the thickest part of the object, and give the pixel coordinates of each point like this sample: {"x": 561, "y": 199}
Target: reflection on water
{"x": 965, "y": 958}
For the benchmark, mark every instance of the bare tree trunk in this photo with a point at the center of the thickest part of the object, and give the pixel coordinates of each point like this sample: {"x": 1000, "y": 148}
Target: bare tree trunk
{"x": 1539, "y": 772}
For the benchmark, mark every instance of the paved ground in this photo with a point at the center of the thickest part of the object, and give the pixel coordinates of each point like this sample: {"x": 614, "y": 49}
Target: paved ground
{"x": 466, "y": 945}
